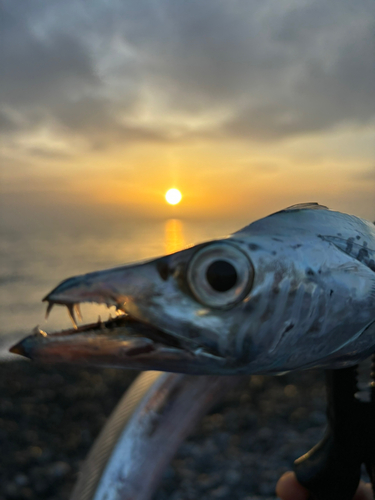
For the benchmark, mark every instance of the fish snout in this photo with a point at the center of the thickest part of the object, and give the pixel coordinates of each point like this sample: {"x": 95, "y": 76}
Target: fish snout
{"x": 112, "y": 287}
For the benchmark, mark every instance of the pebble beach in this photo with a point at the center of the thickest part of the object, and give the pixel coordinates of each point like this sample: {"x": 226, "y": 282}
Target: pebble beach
{"x": 50, "y": 416}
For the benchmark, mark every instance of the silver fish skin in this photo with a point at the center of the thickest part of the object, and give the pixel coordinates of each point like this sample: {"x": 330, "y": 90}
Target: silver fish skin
{"x": 291, "y": 291}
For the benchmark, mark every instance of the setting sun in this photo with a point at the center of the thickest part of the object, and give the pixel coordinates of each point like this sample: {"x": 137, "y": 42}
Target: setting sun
{"x": 173, "y": 196}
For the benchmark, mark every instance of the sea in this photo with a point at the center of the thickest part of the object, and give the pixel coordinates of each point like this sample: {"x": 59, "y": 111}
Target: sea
{"x": 35, "y": 257}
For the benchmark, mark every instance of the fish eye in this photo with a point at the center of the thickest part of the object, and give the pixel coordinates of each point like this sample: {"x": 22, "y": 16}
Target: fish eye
{"x": 220, "y": 275}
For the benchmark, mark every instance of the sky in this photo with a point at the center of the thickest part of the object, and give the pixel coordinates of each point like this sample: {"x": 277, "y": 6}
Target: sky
{"x": 245, "y": 106}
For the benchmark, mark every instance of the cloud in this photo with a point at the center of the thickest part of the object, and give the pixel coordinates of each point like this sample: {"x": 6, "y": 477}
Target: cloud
{"x": 37, "y": 69}
{"x": 7, "y": 124}
{"x": 114, "y": 72}
{"x": 96, "y": 119}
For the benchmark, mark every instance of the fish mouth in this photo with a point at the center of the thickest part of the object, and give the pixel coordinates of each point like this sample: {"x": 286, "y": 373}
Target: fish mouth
{"x": 141, "y": 337}
{"x": 120, "y": 342}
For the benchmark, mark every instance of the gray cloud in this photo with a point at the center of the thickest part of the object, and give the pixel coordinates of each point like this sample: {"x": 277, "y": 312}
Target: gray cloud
{"x": 38, "y": 69}
{"x": 96, "y": 118}
{"x": 7, "y": 124}
{"x": 275, "y": 69}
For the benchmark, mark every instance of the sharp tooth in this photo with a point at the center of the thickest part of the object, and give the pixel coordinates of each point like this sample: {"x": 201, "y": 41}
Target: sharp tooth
{"x": 100, "y": 324}
{"x": 38, "y": 331}
{"x": 109, "y": 317}
{"x": 71, "y": 314}
{"x": 49, "y": 307}
{"x": 77, "y": 310}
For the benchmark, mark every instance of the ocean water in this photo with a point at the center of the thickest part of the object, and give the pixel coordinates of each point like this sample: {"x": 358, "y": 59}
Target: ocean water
{"x": 35, "y": 257}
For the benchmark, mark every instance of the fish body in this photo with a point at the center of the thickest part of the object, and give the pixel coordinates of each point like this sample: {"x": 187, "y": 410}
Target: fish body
{"x": 290, "y": 291}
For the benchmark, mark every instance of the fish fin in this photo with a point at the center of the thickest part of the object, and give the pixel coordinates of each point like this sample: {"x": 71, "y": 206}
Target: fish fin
{"x": 360, "y": 252}
{"x": 294, "y": 208}
{"x": 310, "y": 205}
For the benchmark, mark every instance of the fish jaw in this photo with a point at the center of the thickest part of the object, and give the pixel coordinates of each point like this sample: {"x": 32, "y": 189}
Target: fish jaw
{"x": 120, "y": 342}
{"x": 159, "y": 327}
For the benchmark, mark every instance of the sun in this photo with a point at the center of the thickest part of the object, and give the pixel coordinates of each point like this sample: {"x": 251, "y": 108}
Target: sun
{"x": 173, "y": 196}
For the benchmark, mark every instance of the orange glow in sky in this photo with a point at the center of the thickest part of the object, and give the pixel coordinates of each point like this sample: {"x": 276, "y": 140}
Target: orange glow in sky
{"x": 131, "y": 113}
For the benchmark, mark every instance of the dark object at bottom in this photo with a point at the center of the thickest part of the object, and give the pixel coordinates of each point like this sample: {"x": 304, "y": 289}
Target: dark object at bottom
{"x": 332, "y": 469}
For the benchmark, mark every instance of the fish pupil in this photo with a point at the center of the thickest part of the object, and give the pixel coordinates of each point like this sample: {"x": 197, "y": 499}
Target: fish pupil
{"x": 221, "y": 275}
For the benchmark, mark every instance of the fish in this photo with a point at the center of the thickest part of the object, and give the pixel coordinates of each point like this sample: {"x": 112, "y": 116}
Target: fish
{"x": 291, "y": 291}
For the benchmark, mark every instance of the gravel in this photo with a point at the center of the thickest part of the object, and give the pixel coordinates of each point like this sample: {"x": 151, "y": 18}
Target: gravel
{"x": 49, "y": 417}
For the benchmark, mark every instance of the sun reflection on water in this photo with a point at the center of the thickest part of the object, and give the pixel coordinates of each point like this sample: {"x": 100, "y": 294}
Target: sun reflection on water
{"x": 174, "y": 236}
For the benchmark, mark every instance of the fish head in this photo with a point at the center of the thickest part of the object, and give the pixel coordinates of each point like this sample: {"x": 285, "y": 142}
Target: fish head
{"x": 191, "y": 298}
{"x": 201, "y": 307}
{"x": 270, "y": 298}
